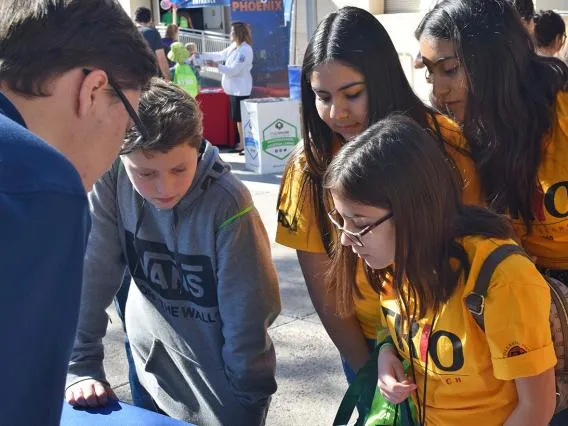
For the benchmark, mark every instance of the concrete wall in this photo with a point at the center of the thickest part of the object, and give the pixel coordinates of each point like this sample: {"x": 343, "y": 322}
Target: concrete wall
{"x": 323, "y": 7}
{"x": 400, "y": 27}
{"x": 213, "y": 18}
{"x": 551, "y": 4}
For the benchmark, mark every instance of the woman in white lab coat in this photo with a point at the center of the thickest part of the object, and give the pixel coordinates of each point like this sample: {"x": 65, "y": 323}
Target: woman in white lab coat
{"x": 237, "y": 79}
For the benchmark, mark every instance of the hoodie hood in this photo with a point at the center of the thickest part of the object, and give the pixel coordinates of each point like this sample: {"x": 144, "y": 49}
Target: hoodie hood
{"x": 209, "y": 169}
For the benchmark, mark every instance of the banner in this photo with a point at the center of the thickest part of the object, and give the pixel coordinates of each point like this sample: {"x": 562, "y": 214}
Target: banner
{"x": 199, "y": 3}
{"x": 270, "y": 43}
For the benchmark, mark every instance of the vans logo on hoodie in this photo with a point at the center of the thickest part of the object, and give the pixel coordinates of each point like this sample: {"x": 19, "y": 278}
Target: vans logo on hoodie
{"x": 176, "y": 278}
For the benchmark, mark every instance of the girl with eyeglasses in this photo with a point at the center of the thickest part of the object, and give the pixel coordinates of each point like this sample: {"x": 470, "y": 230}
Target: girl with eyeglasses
{"x": 351, "y": 77}
{"x": 398, "y": 208}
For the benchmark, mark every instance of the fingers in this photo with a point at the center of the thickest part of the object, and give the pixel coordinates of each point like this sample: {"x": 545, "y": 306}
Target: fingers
{"x": 393, "y": 390}
{"x": 101, "y": 394}
{"x": 398, "y": 371}
{"x": 89, "y": 393}
{"x": 70, "y": 397}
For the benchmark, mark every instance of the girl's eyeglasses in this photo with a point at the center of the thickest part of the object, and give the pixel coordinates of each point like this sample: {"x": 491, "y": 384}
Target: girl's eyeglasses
{"x": 355, "y": 237}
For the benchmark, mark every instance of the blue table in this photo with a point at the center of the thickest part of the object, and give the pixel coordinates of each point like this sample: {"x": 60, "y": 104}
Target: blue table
{"x": 115, "y": 413}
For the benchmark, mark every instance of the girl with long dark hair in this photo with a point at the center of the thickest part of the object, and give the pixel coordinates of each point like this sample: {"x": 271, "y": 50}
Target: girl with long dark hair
{"x": 351, "y": 77}
{"x": 398, "y": 207}
{"x": 514, "y": 110}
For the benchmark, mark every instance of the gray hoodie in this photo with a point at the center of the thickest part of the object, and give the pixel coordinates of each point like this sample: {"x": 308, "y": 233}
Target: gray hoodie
{"x": 200, "y": 344}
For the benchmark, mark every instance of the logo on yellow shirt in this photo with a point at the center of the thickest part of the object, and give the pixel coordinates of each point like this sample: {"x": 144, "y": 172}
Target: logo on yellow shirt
{"x": 514, "y": 349}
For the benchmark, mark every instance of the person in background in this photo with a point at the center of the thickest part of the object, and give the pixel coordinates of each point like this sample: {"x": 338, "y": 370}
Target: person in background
{"x": 513, "y": 106}
{"x": 195, "y": 61}
{"x": 204, "y": 289}
{"x": 67, "y": 94}
{"x": 525, "y": 9}
{"x": 143, "y": 18}
{"x": 398, "y": 205}
{"x": 183, "y": 19}
{"x": 518, "y": 136}
{"x": 181, "y": 73}
{"x": 351, "y": 77}
{"x": 172, "y": 32}
{"x": 236, "y": 71}
{"x": 549, "y": 33}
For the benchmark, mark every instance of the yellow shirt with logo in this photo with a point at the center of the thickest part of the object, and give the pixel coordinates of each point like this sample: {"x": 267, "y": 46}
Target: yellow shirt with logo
{"x": 470, "y": 372}
{"x": 297, "y": 225}
{"x": 548, "y": 240}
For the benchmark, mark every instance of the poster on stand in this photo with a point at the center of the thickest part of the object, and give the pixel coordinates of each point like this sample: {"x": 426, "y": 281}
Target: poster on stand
{"x": 271, "y": 40}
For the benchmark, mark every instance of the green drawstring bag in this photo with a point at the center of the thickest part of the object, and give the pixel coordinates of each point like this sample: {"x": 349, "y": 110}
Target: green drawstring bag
{"x": 374, "y": 409}
{"x": 384, "y": 413}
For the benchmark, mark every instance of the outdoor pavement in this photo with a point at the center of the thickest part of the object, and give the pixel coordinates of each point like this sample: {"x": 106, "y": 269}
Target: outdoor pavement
{"x": 309, "y": 374}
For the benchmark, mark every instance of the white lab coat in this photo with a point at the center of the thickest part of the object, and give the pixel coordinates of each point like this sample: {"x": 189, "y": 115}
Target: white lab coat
{"x": 237, "y": 79}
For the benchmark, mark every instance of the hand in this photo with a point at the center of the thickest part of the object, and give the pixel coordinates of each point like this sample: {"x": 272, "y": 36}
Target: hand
{"x": 393, "y": 383}
{"x": 89, "y": 393}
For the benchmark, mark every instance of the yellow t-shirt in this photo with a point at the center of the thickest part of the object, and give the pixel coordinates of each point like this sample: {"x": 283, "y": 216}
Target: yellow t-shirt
{"x": 548, "y": 240}
{"x": 297, "y": 225}
{"x": 470, "y": 372}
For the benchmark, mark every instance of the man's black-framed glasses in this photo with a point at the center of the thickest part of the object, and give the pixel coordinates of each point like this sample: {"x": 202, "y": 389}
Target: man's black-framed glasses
{"x": 127, "y": 105}
{"x": 355, "y": 237}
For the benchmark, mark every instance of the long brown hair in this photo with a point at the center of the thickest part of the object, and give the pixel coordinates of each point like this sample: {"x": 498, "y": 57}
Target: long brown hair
{"x": 242, "y": 33}
{"x": 511, "y": 97}
{"x": 398, "y": 166}
{"x": 355, "y": 38}
{"x": 172, "y": 31}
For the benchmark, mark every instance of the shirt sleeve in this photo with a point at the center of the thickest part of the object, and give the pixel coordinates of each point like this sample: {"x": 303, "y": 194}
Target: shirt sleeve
{"x": 517, "y": 327}
{"x": 297, "y": 225}
{"x": 43, "y": 239}
{"x": 217, "y": 56}
{"x": 243, "y": 62}
{"x": 249, "y": 301}
{"x": 156, "y": 40}
{"x": 102, "y": 278}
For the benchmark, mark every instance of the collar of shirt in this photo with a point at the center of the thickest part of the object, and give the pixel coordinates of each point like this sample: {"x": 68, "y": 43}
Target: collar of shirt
{"x": 8, "y": 109}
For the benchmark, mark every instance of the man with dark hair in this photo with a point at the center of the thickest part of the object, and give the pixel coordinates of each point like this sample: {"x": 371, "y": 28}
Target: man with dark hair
{"x": 68, "y": 86}
{"x": 143, "y": 17}
{"x": 203, "y": 290}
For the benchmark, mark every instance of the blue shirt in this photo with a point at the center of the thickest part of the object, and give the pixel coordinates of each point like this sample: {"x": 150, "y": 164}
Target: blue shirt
{"x": 44, "y": 225}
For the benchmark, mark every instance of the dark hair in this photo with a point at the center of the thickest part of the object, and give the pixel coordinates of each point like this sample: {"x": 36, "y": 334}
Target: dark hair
{"x": 511, "y": 96}
{"x": 548, "y": 25}
{"x": 355, "y": 38}
{"x": 40, "y": 39}
{"x": 242, "y": 32}
{"x": 525, "y": 8}
{"x": 171, "y": 116}
{"x": 397, "y": 165}
{"x": 143, "y": 15}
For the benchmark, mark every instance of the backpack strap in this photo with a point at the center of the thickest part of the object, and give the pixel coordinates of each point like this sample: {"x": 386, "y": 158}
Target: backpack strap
{"x": 475, "y": 301}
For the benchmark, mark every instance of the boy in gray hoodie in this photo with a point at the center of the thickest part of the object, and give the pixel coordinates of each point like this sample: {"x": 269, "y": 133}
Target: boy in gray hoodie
{"x": 204, "y": 289}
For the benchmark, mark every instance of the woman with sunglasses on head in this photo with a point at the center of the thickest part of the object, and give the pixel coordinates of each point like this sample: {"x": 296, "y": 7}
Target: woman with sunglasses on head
{"x": 351, "y": 77}
{"x": 398, "y": 206}
{"x": 514, "y": 111}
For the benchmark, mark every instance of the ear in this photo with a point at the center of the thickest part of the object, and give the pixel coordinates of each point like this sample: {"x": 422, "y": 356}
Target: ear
{"x": 91, "y": 90}
{"x": 558, "y": 43}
